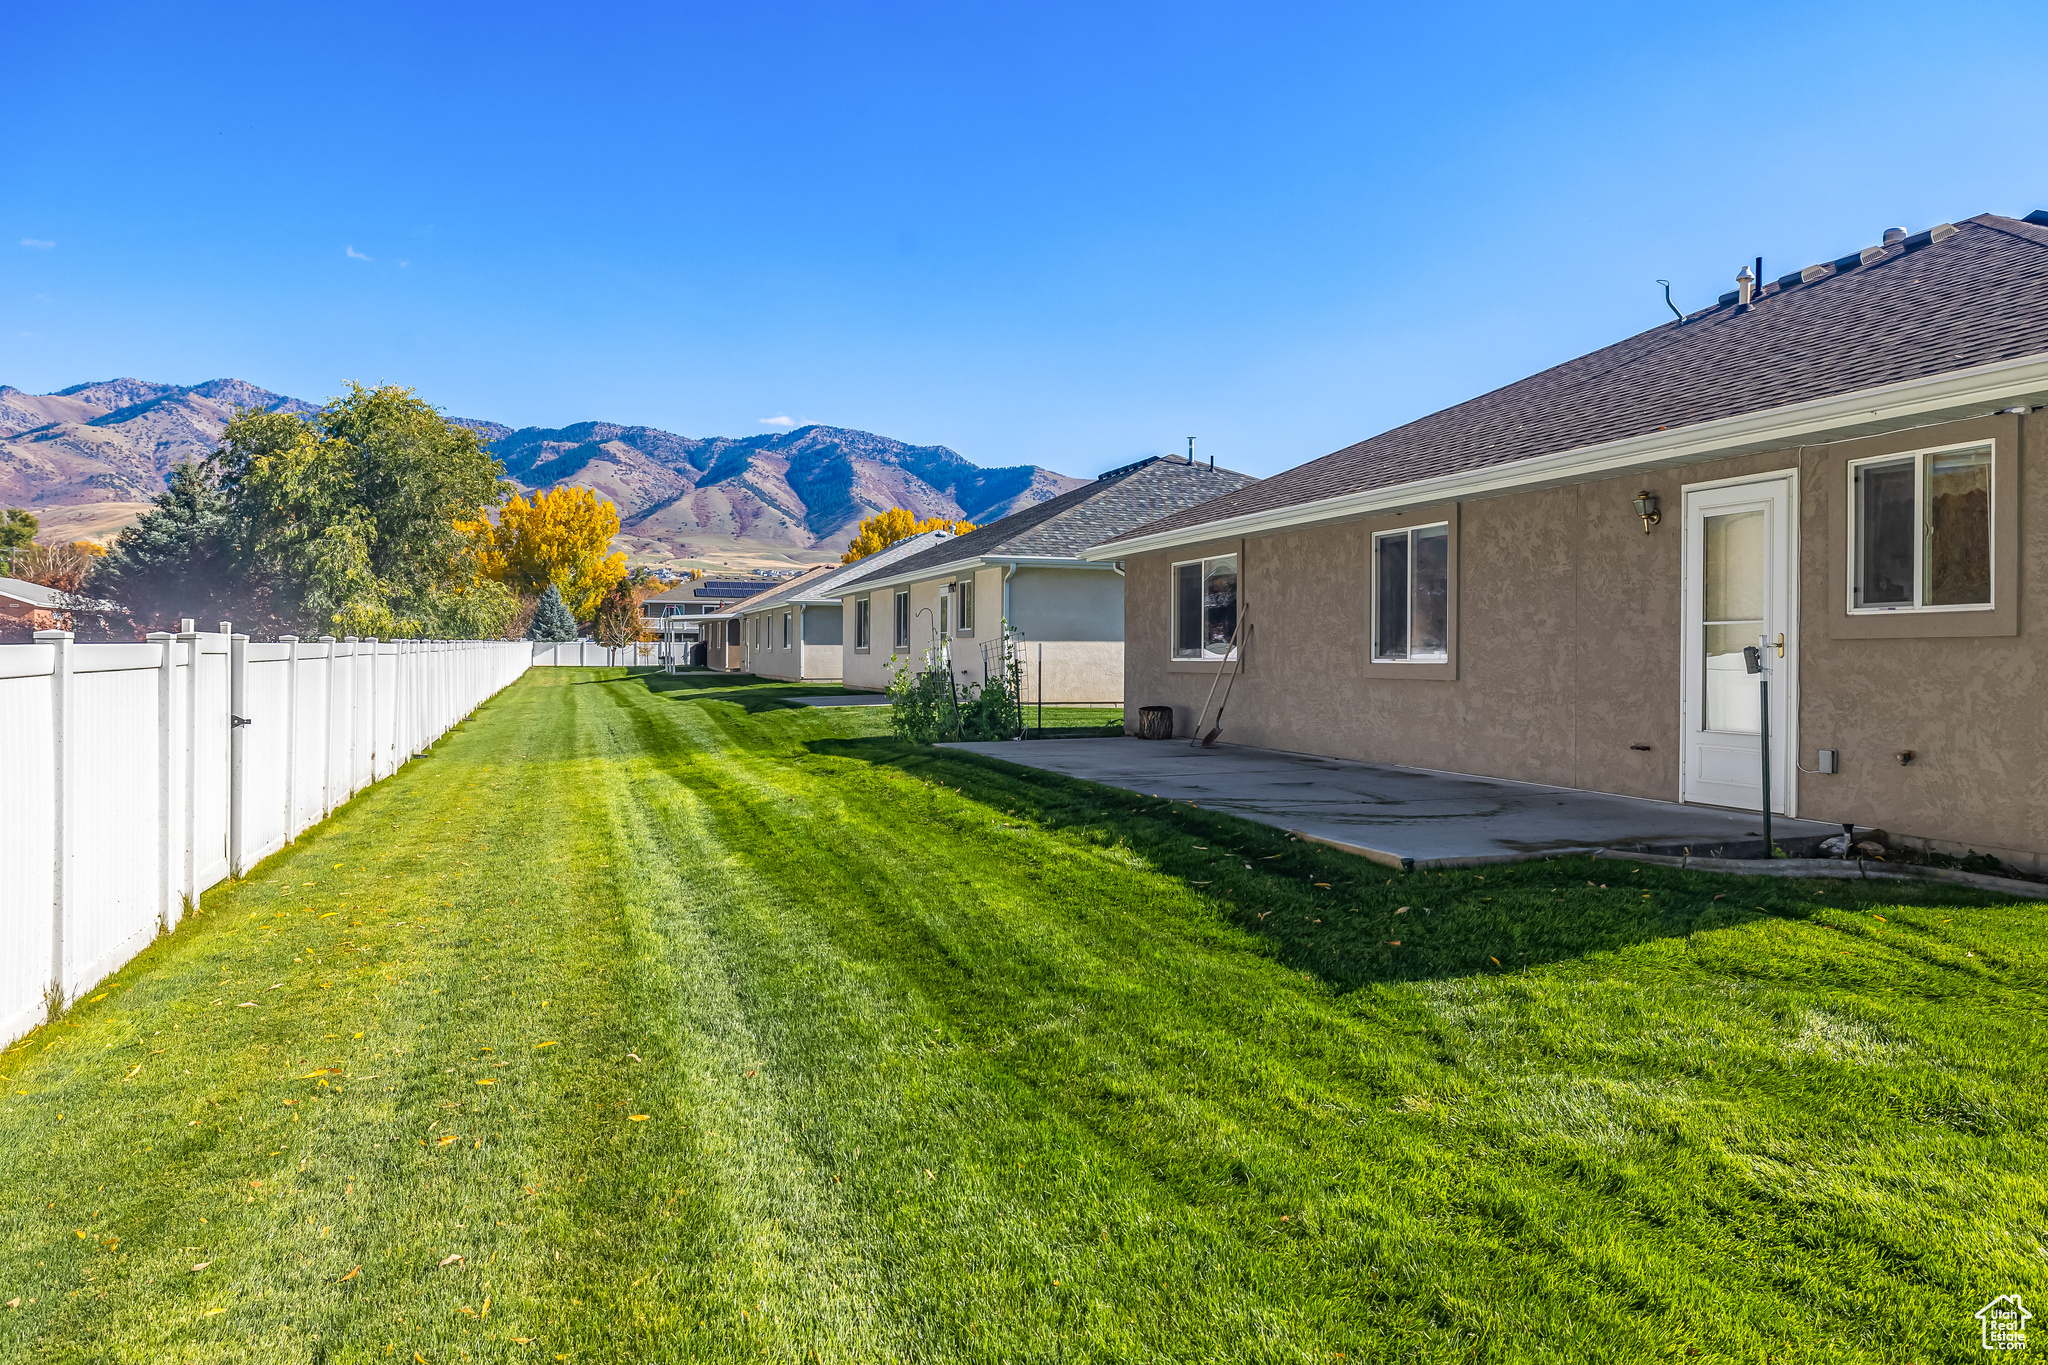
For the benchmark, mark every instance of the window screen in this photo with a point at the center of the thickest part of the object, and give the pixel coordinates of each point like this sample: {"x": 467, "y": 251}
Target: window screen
{"x": 860, "y": 623}
{"x": 902, "y": 620}
{"x": 1205, "y": 608}
{"x": 1923, "y": 531}
{"x": 1411, "y": 595}
{"x": 965, "y": 590}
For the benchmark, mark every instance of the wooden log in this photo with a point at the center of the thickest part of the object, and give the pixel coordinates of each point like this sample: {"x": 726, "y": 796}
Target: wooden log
{"x": 1155, "y": 722}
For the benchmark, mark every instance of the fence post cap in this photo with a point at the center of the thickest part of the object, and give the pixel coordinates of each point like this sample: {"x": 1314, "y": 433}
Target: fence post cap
{"x": 160, "y": 635}
{"x": 327, "y": 639}
{"x": 54, "y": 636}
{"x": 287, "y": 639}
{"x": 227, "y": 627}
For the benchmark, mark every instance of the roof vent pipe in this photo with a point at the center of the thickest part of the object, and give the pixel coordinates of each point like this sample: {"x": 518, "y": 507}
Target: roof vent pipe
{"x": 1745, "y": 285}
{"x": 1894, "y": 235}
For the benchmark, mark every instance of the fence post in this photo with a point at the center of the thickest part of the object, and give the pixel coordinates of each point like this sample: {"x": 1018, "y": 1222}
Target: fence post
{"x": 167, "y": 668}
{"x": 372, "y": 643}
{"x": 291, "y": 738}
{"x": 61, "y": 721}
{"x": 188, "y": 635}
{"x": 355, "y": 710}
{"x": 238, "y": 699}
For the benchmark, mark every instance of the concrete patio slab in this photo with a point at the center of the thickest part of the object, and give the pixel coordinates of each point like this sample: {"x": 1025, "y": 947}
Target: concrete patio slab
{"x": 1403, "y": 817}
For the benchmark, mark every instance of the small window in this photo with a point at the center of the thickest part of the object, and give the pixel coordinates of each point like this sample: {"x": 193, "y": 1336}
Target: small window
{"x": 965, "y": 591}
{"x": 785, "y": 630}
{"x": 1922, "y": 538}
{"x": 1411, "y": 595}
{"x": 860, "y": 623}
{"x": 903, "y": 620}
{"x": 1205, "y": 609}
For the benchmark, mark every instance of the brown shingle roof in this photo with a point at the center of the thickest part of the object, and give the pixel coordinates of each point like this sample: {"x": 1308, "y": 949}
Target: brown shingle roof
{"x": 1921, "y": 307}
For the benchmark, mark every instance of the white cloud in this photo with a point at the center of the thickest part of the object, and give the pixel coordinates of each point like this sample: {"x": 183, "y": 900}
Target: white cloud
{"x": 778, "y": 421}
{"x": 37, "y": 243}
{"x": 403, "y": 264}
{"x": 355, "y": 255}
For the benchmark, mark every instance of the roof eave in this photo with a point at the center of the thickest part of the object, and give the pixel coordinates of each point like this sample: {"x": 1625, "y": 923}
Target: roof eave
{"x": 1945, "y": 397}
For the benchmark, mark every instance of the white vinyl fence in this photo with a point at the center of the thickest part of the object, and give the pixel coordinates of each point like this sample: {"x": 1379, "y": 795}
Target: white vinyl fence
{"x": 584, "y": 654}
{"x": 133, "y": 777}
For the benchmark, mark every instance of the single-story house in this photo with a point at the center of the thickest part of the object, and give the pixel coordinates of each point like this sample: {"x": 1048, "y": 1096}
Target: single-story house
{"x": 31, "y": 606}
{"x": 1027, "y": 570}
{"x": 674, "y": 617}
{"x": 1556, "y": 581}
{"x": 793, "y": 631}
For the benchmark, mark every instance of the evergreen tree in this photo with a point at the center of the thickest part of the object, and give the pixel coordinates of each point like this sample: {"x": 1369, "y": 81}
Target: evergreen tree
{"x": 552, "y": 623}
{"x": 179, "y": 560}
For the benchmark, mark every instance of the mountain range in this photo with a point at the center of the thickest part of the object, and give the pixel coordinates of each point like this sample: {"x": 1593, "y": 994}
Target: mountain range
{"x": 88, "y": 460}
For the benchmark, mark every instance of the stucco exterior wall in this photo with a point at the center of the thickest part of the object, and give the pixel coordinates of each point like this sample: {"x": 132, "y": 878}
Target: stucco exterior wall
{"x": 1567, "y": 651}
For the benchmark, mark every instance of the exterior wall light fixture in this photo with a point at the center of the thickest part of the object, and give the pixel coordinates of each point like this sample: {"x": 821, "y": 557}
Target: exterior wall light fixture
{"x": 1646, "y": 508}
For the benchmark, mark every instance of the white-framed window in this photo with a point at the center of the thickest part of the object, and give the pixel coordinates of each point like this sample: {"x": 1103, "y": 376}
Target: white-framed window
{"x": 1411, "y": 595}
{"x": 785, "y": 630}
{"x": 946, "y": 613}
{"x": 1920, "y": 531}
{"x": 860, "y": 622}
{"x": 964, "y": 590}
{"x": 1205, "y": 608}
{"x": 903, "y": 618}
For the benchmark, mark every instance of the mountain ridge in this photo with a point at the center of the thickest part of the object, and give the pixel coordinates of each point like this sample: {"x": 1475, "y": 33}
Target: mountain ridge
{"x": 99, "y": 451}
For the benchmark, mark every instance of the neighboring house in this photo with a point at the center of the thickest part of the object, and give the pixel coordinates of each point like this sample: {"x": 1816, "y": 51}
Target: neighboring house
{"x": 674, "y": 617}
{"x": 1555, "y": 582}
{"x": 41, "y": 608}
{"x": 793, "y": 631}
{"x": 1025, "y": 569}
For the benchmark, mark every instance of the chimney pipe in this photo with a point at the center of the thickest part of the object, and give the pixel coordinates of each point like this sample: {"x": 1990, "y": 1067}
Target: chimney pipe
{"x": 1745, "y": 286}
{"x": 1191, "y": 452}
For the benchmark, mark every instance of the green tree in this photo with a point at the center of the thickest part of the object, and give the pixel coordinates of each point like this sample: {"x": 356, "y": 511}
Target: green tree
{"x": 179, "y": 560}
{"x": 552, "y": 622}
{"x": 18, "y": 527}
{"x": 353, "y": 513}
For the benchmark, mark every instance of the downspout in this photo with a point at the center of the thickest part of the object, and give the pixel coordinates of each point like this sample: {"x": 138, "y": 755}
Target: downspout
{"x": 1008, "y": 570}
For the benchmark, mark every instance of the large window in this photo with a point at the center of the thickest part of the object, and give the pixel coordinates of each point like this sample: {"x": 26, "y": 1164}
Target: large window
{"x": 1205, "y": 608}
{"x": 1922, "y": 533}
{"x": 1411, "y": 595}
{"x": 903, "y": 620}
{"x": 860, "y": 623}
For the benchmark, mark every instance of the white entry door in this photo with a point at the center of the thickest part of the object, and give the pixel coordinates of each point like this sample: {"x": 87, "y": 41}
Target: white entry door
{"x": 1739, "y": 562}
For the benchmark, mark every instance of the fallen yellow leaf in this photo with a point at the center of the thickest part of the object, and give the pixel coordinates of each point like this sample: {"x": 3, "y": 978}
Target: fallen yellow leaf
{"x": 487, "y": 1081}
{"x": 448, "y": 1139}
{"x": 552, "y": 1043}
{"x": 201, "y": 1266}
{"x": 323, "y": 1071}
{"x": 635, "y": 1118}
{"x": 350, "y": 1276}
{"x": 451, "y": 1258}
{"x": 211, "y": 1311}
{"x": 97, "y": 998}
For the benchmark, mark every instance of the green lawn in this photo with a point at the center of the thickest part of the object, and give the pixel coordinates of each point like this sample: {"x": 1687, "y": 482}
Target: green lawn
{"x": 702, "y": 1027}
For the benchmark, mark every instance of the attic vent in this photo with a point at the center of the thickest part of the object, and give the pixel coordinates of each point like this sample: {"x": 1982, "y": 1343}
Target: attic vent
{"x": 1893, "y": 236}
{"x": 1943, "y": 231}
{"x": 1815, "y": 272}
{"x": 1871, "y": 253}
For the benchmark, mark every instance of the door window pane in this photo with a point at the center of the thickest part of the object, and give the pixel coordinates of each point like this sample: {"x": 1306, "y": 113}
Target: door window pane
{"x": 1390, "y": 609}
{"x": 1885, "y": 533}
{"x": 1431, "y": 618}
{"x": 1736, "y": 560}
{"x": 1736, "y": 563}
{"x": 1959, "y": 528}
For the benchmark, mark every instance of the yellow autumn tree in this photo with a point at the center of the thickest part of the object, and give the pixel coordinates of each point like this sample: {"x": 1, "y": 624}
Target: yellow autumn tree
{"x": 560, "y": 536}
{"x": 884, "y": 529}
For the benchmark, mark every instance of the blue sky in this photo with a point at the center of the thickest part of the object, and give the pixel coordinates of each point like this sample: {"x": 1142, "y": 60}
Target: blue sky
{"x": 1065, "y": 234}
